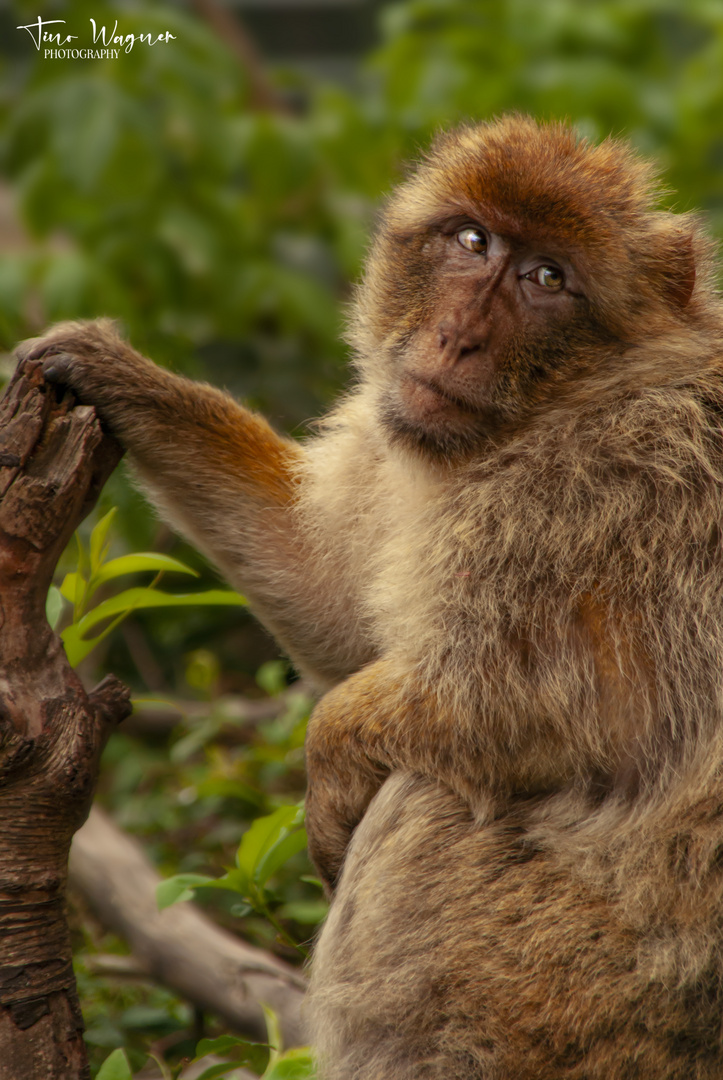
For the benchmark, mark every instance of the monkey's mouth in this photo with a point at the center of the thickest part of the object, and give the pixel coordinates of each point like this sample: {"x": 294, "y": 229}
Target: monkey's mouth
{"x": 419, "y": 414}
{"x": 426, "y": 398}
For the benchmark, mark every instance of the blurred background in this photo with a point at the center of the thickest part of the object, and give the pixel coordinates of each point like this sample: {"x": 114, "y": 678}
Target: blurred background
{"x": 216, "y": 195}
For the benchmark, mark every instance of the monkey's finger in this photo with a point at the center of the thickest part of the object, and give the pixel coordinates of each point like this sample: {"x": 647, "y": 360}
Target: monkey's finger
{"x": 56, "y": 367}
{"x": 34, "y": 348}
{"x": 31, "y": 349}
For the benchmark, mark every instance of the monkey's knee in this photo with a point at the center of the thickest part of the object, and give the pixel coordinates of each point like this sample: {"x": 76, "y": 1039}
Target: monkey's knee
{"x": 376, "y": 1001}
{"x": 464, "y": 950}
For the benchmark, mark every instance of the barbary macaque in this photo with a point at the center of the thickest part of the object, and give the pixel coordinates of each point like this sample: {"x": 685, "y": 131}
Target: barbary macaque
{"x": 502, "y": 558}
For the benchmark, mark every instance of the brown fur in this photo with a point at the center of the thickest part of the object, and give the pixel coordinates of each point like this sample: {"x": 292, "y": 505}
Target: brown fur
{"x": 520, "y": 597}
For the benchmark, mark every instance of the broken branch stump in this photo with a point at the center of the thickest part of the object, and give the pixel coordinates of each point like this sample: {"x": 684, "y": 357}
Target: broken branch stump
{"x": 54, "y": 460}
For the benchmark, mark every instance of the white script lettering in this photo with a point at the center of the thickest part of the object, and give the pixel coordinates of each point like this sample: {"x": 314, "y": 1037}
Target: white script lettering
{"x": 42, "y": 36}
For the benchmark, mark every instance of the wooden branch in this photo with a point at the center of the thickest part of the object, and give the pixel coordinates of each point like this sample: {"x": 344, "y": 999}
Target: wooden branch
{"x": 242, "y": 715}
{"x": 179, "y": 946}
{"x": 54, "y": 459}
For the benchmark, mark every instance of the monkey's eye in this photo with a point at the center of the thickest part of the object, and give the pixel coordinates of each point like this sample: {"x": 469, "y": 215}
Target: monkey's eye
{"x": 549, "y": 277}
{"x": 473, "y": 239}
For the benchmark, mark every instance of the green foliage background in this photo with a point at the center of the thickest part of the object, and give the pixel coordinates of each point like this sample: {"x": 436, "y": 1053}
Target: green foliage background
{"x": 227, "y": 240}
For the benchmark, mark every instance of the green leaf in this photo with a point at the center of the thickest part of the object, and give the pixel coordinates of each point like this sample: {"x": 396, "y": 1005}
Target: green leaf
{"x": 223, "y": 1044}
{"x": 98, "y": 537}
{"x": 54, "y": 605}
{"x": 72, "y": 587}
{"x": 310, "y": 880}
{"x": 143, "y": 597}
{"x": 256, "y": 851}
{"x": 273, "y": 1032}
{"x": 76, "y": 649}
{"x": 296, "y": 1064}
{"x": 78, "y": 646}
{"x": 225, "y": 1068}
{"x": 180, "y": 887}
{"x": 115, "y": 1067}
{"x": 234, "y": 881}
{"x": 278, "y": 854}
{"x": 253, "y": 1054}
{"x": 141, "y": 560}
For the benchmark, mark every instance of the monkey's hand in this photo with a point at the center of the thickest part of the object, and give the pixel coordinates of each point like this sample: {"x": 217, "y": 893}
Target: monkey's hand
{"x": 338, "y": 792}
{"x": 345, "y": 764}
{"x": 96, "y": 363}
{"x": 379, "y": 719}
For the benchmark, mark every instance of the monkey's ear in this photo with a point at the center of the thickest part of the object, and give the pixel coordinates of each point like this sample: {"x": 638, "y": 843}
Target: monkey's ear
{"x": 675, "y": 266}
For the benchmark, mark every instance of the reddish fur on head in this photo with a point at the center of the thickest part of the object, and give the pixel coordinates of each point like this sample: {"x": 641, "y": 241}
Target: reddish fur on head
{"x": 545, "y": 184}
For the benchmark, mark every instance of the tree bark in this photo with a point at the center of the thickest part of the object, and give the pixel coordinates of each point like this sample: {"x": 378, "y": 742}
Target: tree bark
{"x": 54, "y": 460}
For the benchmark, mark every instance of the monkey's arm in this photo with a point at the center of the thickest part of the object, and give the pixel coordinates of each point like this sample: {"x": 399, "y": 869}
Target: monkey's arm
{"x": 478, "y": 736}
{"x": 223, "y": 477}
{"x": 376, "y": 721}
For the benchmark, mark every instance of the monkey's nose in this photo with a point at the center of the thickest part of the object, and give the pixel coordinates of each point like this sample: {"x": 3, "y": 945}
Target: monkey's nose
{"x": 456, "y": 345}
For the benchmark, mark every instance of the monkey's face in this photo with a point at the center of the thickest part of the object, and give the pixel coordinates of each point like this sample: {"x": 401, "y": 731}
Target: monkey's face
{"x": 518, "y": 263}
{"x": 502, "y": 320}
